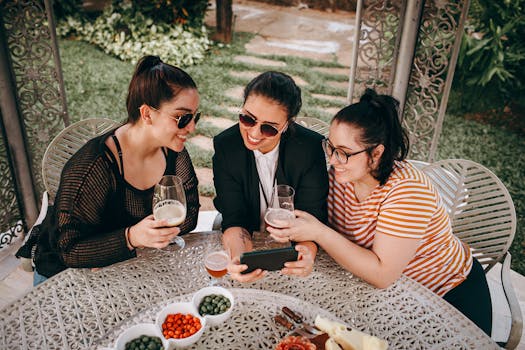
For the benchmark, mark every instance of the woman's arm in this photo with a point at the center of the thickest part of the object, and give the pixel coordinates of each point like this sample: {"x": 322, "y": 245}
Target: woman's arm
{"x": 401, "y": 223}
{"x": 380, "y": 266}
{"x": 237, "y": 240}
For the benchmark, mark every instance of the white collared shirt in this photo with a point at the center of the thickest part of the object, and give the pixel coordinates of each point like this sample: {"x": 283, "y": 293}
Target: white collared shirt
{"x": 266, "y": 168}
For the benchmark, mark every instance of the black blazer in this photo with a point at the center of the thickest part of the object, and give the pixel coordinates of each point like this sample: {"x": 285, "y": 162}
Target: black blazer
{"x": 301, "y": 165}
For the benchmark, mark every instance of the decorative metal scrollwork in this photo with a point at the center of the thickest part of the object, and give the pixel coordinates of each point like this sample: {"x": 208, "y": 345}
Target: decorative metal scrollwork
{"x": 9, "y": 212}
{"x": 13, "y": 234}
{"x": 39, "y": 89}
{"x": 430, "y": 76}
{"x": 377, "y": 46}
{"x": 430, "y": 70}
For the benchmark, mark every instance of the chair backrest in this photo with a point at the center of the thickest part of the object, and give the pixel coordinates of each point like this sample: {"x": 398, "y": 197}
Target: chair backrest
{"x": 418, "y": 164}
{"x": 67, "y": 143}
{"x": 480, "y": 207}
{"x": 314, "y": 124}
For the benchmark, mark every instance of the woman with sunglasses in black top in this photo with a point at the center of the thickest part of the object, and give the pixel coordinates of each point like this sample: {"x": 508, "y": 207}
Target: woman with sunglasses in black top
{"x": 103, "y": 208}
{"x": 267, "y": 148}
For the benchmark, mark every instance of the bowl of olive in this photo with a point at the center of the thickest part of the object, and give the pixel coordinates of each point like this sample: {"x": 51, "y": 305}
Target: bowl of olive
{"x": 214, "y": 303}
{"x": 141, "y": 336}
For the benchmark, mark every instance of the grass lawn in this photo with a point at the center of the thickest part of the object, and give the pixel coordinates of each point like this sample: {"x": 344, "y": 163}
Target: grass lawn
{"x": 96, "y": 86}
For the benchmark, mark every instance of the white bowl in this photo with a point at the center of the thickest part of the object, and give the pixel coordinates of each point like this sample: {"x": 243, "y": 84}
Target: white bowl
{"x": 138, "y": 330}
{"x": 214, "y": 320}
{"x": 183, "y": 308}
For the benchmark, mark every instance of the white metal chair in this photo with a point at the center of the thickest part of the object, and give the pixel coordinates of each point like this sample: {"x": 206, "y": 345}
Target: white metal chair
{"x": 314, "y": 124}
{"x": 418, "y": 164}
{"x": 483, "y": 216}
{"x": 58, "y": 152}
{"x": 65, "y": 144}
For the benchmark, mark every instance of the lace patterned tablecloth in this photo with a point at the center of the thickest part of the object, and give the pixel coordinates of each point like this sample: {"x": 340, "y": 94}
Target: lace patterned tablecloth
{"x": 250, "y": 326}
{"x": 79, "y": 309}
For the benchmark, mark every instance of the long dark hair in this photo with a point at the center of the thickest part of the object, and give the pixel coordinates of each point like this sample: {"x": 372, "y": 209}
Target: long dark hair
{"x": 377, "y": 116}
{"x": 154, "y": 82}
{"x": 279, "y": 87}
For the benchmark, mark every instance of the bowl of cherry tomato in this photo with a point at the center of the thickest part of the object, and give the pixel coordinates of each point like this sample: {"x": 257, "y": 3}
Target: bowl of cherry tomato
{"x": 180, "y": 324}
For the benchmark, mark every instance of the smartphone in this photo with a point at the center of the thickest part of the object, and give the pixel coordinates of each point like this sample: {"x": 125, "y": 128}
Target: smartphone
{"x": 269, "y": 260}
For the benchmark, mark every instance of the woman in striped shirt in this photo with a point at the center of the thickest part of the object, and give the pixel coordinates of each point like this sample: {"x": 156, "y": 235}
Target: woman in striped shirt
{"x": 386, "y": 218}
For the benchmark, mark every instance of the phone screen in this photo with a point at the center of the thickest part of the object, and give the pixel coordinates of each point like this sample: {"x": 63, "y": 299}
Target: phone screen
{"x": 269, "y": 259}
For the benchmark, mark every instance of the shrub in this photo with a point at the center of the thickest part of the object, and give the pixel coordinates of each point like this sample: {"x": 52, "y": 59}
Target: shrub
{"x": 126, "y": 33}
{"x": 490, "y": 71}
{"x": 173, "y": 11}
{"x": 66, "y": 8}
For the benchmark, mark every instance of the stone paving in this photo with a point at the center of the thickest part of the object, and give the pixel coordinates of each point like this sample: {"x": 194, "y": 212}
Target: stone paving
{"x": 282, "y": 31}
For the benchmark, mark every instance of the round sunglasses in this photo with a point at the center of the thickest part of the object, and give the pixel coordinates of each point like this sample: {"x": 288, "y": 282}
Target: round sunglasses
{"x": 183, "y": 120}
{"x": 267, "y": 130}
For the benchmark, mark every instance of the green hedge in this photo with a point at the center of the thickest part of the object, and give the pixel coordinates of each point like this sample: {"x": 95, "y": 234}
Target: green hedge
{"x": 490, "y": 72}
{"x": 127, "y": 33}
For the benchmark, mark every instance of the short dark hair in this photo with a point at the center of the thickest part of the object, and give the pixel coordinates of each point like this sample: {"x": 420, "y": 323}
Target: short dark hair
{"x": 378, "y": 118}
{"x": 154, "y": 82}
{"x": 279, "y": 87}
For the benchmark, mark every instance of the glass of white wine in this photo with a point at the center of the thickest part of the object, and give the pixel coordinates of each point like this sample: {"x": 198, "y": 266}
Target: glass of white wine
{"x": 169, "y": 203}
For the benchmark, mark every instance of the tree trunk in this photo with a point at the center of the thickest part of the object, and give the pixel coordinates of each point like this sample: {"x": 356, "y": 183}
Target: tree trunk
{"x": 224, "y": 16}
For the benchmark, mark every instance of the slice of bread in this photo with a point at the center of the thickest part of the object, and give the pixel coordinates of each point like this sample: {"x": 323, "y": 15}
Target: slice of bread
{"x": 356, "y": 340}
{"x": 328, "y": 326}
{"x": 349, "y": 339}
{"x": 331, "y": 344}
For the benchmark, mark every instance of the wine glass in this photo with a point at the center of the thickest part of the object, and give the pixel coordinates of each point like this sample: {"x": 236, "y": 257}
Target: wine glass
{"x": 280, "y": 213}
{"x": 169, "y": 203}
{"x": 216, "y": 263}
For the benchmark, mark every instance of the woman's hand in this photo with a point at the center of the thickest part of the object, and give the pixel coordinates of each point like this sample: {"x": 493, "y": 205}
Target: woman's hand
{"x": 305, "y": 227}
{"x": 235, "y": 268}
{"x": 305, "y": 261}
{"x": 152, "y": 233}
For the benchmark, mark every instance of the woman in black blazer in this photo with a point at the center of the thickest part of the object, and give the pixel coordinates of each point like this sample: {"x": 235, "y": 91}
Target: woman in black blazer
{"x": 267, "y": 145}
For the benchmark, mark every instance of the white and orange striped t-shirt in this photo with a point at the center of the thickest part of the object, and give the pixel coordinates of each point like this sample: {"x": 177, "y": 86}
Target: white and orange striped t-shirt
{"x": 406, "y": 206}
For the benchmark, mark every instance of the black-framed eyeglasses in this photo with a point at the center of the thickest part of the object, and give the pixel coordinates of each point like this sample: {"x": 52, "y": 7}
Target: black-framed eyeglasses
{"x": 183, "y": 120}
{"x": 340, "y": 154}
{"x": 267, "y": 130}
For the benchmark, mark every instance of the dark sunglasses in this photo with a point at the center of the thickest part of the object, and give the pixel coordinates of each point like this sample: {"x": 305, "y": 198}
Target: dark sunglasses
{"x": 185, "y": 119}
{"x": 266, "y": 129}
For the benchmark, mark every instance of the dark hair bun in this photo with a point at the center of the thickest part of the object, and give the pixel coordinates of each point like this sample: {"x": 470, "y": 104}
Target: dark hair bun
{"x": 379, "y": 101}
{"x": 368, "y": 96}
{"x": 148, "y": 62}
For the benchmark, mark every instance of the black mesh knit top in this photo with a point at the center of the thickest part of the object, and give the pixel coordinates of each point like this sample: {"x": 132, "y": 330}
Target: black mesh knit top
{"x": 95, "y": 204}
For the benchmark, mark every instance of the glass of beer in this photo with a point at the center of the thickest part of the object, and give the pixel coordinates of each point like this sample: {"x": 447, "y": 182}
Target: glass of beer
{"x": 169, "y": 203}
{"x": 216, "y": 264}
{"x": 280, "y": 214}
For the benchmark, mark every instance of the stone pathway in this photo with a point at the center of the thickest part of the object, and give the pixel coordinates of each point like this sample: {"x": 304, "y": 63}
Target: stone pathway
{"x": 281, "y": 31}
